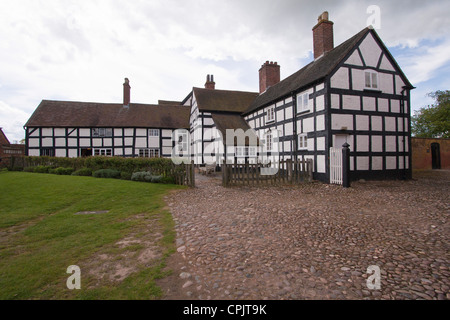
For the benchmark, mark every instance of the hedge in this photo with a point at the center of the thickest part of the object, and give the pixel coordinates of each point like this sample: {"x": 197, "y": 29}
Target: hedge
{"x": 162, "y": 169}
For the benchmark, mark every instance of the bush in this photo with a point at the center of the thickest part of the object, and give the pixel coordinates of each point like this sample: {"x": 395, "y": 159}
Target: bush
{"x": 62, "y": 171}
{"x": 27, "y": 169}
{"x": 168, "y": 180}
{"x": 145, "y": 176}
{"x": 86, "y": 172}
{"x": 107, "y": 173}
{"x": 42, "y": 169}
{"x": 125, "y": 175}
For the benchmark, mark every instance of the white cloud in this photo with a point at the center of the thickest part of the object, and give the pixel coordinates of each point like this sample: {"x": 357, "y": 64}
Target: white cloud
{"x": 13, "y": 128}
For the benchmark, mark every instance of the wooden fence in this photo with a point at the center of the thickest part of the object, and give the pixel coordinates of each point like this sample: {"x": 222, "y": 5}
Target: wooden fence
{"x": 336, "y": 166}
{"x": 286, "y": 171}
{"x": 184, "y": 174}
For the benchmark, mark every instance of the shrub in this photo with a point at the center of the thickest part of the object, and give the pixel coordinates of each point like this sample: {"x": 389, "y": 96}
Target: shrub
{"x": 86, "y": 172}
{"x": 27, "y": 169}
{"x": 62, "y": 171}
{"x": 168, "y": 180}
{"x": 145, "y": 176}
{"x": 125, "y": 175}
{"x": 107, "y": 173}
{"x": 42, "y": 169}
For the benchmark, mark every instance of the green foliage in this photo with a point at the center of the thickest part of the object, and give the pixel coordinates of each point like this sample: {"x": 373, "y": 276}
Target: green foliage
{"x": 86, "y": 172}
{"x": 125, "y": 175}
{"x": 107, "y": 173}
{"x": 63, "y": 171}
{"x": 85, "y": 166}
{"x": 146, "y": 176}
{"x": 433, "y": 121}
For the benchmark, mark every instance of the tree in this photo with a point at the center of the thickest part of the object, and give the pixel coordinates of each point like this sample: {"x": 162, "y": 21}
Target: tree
{"x": 433, "y": 121}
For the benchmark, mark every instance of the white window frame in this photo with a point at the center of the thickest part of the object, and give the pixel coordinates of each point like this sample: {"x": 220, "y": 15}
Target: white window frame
{"x": 269, "y": 141}
{"x": 149, "y": 153}
{"x": 153, "y": 132}
{"x": 102, "y": 132}
{"x": 374, "y": 81}
{"x": 302, "y": 141}
{"x": 181, "y": 145}
{"x": 270, "y": 115}
{"x": 106, "y": 152}
{"x": 303, "y": 102}
{"x": 245, "y": 152}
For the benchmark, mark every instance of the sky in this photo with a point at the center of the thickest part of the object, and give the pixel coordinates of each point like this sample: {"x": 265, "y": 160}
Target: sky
{"x": 82, "y": 50}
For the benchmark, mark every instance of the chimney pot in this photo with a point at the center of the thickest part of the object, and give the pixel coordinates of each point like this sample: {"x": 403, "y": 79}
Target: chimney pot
{"x": 210, "y": 84}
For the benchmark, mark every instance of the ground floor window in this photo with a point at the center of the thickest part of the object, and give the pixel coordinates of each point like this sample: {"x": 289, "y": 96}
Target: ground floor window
{"x": 149, "y": 153}
{"x": 302, "y": 141}
{"x": 48, "y": 152}
{"x": 245, "y": 152}
{"x": 103, "y": 152}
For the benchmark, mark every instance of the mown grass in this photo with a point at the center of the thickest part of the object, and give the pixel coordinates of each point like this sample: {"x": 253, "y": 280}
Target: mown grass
{"x": 40, "y": 235}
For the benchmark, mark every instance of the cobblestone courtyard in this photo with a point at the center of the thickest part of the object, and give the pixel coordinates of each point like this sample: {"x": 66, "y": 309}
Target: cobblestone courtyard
{"x": 313, "y": 241}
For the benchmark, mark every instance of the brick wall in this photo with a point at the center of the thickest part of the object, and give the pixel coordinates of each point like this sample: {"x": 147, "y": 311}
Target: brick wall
{"x": 421, "y": 153}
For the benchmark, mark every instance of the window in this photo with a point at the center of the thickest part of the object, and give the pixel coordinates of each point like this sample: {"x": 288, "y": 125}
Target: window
{"x": 303, "y": 102}
{"x": 245, "y": 152}
{"x": 302, "y": 141}
{"x": 102, "y": 132}
{"x": 371, "y": 80}
{"x": 103, "y": 152}
{"x": 181, "y": 147}
{"x": 149, "y": 153}
{"x": 48, "y": 152}
{"x": 269, "y": 141}
{"x": 271, "y": 114}
{"x": 153, "y": 132}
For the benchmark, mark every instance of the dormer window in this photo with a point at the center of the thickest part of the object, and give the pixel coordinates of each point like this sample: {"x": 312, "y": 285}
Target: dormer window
{"x": 371, "y": 80}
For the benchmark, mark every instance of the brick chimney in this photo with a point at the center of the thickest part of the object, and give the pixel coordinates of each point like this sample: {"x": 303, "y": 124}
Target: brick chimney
{"x": 210, "y": 84}
{"x": 269, "y": 75}
{"x": 323, "y": 35}
{"x": 126, "y": 93}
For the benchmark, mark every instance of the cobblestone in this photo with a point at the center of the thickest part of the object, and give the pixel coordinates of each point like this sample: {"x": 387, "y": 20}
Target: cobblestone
{"x": 315, "y": 241}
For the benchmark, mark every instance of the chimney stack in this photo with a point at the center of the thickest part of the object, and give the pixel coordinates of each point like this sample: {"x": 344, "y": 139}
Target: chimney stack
{"x": 126, "y": 93}
{"x": 210, "y": 84}
{"x": 269, "y": 75}
{"x": 323, "y": 35}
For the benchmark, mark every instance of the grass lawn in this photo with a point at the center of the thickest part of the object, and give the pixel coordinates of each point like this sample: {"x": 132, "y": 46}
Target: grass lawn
{"x": 120, "y": 253}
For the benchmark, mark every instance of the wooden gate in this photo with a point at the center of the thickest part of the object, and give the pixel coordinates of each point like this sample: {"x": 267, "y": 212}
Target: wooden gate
{"x": 285, "y": 171}
{"x": 336, "y": 170}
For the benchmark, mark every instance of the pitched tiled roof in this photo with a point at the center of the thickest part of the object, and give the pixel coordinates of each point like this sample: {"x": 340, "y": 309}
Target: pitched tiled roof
{"x": 223, "y": 100}
{"x": 309, "y": 74}
{"x": 87, "y": 114}
{"x": 224, "y": 121}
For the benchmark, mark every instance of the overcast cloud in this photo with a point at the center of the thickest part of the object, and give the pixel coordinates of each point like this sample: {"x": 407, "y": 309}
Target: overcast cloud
{"x": 82, "y": 50}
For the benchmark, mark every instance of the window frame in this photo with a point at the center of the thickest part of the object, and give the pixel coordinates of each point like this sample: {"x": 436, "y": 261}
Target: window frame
{"x": 371, "y": 74}
{"x": 101, "y": 132}
{"x": 104, "y": 152}
{"x": 302, "y": 141}
{"x": 270, "y": 114}
{"x": 151, "y": 132}
{"x": 301, "y": 105}
{"x": 149, "y": 153}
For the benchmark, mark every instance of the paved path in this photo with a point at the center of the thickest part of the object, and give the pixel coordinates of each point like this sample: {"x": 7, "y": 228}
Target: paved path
{"x": 314, "y": 241}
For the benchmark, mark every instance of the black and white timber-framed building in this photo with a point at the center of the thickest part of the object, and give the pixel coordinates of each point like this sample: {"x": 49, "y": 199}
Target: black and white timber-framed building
{"x": 354, "y": 93}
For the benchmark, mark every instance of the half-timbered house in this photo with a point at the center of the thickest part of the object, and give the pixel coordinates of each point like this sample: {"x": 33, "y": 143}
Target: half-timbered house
{"x": 77, "y": 129}
{"x": 353, "y": 93}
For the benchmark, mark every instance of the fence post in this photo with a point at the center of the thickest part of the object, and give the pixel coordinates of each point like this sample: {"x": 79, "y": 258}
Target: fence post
{"x": 224, "y": 173}
{"x": 192, "y": 173}
{"x": 345, "y": 165}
